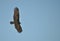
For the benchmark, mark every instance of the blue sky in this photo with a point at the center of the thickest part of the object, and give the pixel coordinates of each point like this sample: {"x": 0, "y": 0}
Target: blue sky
{"x": 40, "y": 20}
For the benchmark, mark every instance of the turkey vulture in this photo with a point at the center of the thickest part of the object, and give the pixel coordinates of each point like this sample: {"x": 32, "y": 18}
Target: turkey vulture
{"x": 16, "y": 20}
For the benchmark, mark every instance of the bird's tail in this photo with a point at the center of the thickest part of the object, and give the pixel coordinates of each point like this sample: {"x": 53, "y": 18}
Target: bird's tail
{"x": 11, "y": 22}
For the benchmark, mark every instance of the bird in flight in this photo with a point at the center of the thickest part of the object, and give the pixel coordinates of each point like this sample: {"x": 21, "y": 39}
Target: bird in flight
{"x": 16, "y": 21}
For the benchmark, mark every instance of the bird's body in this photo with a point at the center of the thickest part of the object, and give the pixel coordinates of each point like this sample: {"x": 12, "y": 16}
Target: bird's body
{"x": 16, "y": 20}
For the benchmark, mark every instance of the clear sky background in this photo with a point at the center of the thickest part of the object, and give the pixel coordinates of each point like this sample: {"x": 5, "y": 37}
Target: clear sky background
{"x": 40, "y": 20}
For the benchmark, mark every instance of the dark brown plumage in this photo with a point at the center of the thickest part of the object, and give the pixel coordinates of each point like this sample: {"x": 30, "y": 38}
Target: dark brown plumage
{"x": 16, "y": 20}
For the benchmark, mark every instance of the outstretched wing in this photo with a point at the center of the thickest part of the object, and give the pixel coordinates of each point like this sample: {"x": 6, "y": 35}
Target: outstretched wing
{"x": 18, "y": 27}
